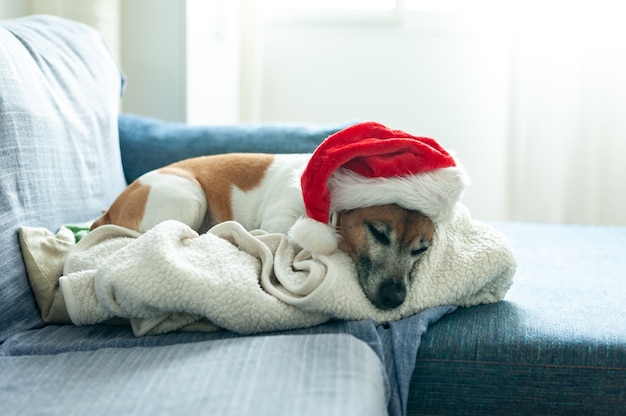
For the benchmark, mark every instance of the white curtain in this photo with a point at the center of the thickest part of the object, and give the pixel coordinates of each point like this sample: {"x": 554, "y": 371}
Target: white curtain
{"x": 565, "y": 153}
{"x": 568, "y": 114}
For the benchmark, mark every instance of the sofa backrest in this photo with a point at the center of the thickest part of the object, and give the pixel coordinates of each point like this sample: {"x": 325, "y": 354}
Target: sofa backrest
{"x": 59, "y": 149}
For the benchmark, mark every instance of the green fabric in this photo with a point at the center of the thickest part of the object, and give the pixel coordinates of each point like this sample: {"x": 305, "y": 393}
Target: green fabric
{"x": 79, "y": 230}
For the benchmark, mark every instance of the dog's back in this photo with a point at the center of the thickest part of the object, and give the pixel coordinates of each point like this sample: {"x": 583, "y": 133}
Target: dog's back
{"x": 260, "y": 191}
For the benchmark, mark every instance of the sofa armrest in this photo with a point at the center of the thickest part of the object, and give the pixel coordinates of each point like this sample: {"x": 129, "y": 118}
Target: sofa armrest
{"x": 59, "y": 149}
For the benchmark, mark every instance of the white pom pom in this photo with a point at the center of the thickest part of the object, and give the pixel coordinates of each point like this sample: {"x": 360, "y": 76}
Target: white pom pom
{"x": 314, "y": 236}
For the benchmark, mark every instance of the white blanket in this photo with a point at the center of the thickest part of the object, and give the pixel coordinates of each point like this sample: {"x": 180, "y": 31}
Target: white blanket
{"x": 171, "y": 277}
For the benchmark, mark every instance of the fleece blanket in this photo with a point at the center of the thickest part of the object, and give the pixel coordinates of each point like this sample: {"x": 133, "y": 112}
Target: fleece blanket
{"x": 171, "y": 278}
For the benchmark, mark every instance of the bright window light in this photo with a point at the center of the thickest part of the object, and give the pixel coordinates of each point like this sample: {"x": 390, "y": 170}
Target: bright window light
{"x": 434, "y": 5}
{"x": 453, "y": 5}
{"x": 334, "y": 4}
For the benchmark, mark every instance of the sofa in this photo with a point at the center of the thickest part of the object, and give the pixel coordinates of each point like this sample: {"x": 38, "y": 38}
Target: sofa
{"x": 556, "y": 343}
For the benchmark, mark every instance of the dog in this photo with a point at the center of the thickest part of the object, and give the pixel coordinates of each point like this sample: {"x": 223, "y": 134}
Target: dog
{"x": 262, "y": 191}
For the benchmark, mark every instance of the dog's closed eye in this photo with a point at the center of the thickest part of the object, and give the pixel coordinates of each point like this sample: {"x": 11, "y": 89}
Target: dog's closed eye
{"x": 418, "y": 251}
{"x": 379, "y": 232}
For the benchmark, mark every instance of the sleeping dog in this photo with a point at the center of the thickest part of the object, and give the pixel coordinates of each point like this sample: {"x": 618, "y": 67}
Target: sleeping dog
{"x": 262, "y": 191}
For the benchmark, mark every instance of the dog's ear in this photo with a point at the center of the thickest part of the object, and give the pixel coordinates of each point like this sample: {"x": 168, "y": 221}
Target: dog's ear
{"x": 336, "y": 219}
{"x": 344, "y": 241}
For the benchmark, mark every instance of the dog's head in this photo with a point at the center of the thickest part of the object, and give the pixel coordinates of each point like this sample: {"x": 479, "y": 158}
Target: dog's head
{"x": 385, "y": 242}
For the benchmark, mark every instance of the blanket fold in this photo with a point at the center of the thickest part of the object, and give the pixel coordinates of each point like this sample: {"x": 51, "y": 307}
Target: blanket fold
{"x": 250, "y": 282}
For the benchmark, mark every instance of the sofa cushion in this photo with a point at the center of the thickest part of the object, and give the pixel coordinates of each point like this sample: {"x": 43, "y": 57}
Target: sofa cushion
{"x": 395, "y": 344}
{"x": 556, "y": 345}
{"x": 321, "y": 374}
{"x": 59, "y": 147}
{"x": 148, "y": 143}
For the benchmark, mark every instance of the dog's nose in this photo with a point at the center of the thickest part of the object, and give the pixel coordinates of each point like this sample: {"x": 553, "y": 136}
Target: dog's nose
{"x": 391, "y": 294}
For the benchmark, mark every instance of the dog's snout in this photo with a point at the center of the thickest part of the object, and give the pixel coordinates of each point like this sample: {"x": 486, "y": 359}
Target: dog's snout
{"x": 391, "y": 294}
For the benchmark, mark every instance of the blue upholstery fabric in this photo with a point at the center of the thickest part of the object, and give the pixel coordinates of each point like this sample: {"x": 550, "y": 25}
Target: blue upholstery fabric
{"x": 395, "y": 346}
{"x": 267, "y": 375}
{"x": 59, "y": 147}
{"x": 557, "y": 345}
{"x": 148, "y": 143}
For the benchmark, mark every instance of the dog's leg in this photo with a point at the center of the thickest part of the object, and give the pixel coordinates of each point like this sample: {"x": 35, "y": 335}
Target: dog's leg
{"x": 173, "y": 197}
{"x": 156, "y": 197}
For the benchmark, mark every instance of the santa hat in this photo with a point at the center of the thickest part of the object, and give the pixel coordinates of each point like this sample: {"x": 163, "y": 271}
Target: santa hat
{"x": 369, "y": 164}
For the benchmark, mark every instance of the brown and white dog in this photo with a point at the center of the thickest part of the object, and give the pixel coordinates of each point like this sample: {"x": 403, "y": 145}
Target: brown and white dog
{"x": 262, "y": 191}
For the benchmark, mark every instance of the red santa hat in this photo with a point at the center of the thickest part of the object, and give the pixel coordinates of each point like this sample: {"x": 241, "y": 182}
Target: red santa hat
{"x": 369, "y": 164}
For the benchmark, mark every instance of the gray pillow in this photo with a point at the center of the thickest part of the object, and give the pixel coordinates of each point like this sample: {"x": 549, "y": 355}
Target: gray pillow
{"x": 59, "y": 148}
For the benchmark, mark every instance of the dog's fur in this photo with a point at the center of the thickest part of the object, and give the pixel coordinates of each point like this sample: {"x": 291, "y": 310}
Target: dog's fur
{"x": 261, "y": 191}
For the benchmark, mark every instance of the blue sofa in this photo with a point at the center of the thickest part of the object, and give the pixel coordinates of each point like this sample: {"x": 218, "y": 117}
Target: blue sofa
{"x": 556, "y": 345}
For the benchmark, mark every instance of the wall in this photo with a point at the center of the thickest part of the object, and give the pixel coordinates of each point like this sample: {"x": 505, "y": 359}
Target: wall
{"x": 153, "y": 57}
{"x": 181, "y": 58}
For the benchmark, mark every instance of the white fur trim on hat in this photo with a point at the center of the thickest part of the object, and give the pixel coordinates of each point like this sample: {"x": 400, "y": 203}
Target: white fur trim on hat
{"x": 434, "y": 193}
{"x": 314, "y": 236}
